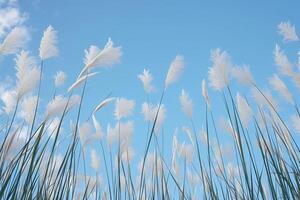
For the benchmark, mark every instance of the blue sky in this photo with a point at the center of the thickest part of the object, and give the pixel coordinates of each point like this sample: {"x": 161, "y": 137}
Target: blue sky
{"x": 151, "y": 34}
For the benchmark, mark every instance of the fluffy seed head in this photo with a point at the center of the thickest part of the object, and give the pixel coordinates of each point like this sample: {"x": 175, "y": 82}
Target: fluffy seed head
{"x": 123, "y": 108}
{"x": 98, "y": 128}
{"x": 95, "y": 162}
{"x": 28, "y": 74}
{"x": 218, "y": 74}
{"x": 48, "y": 45}
{"x": 175, "y": 70}
{"x": 146, "y": 79}
{"x": 282, "y": 62}
{"x": 186, "y": 103}
{"x": 124, "y": 130}
{"x": 27, "y": 108}
{"x": 79, "y": 81}
{"x": 57, "y": 105}
{"x": 59, "y": 78}
{"x": 108, "y": 56}
{"x": 288, "y": 31}
{"x": 104, "y": 103}
{"x": 243, "y": 75}
{"x": 205, "y": 93}
{"x": 245, "y": 111}
{"x": 149, "y": 111}
{"x": 14, "y": 41}
{"x": 279, "y": 86}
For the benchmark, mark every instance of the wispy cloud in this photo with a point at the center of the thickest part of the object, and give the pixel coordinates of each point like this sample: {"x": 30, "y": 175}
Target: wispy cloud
{"x": 10, "y": 16}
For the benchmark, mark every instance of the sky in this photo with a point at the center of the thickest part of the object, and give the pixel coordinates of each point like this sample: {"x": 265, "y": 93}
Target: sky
{"x": 151, "y": 34}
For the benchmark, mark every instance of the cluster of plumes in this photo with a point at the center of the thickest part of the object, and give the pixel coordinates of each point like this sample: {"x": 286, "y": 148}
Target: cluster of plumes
{"x": 28, "y": 73}
{"x": 223, "y": 70}
{"x": 22, "y": 97}
{"x": 96, "y": 57}
{"x": 120, "y": 134}
{"x": 184, "y": 150}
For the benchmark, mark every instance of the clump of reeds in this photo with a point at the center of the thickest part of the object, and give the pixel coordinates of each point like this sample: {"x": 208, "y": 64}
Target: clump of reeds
{"x": 43, "y": 158}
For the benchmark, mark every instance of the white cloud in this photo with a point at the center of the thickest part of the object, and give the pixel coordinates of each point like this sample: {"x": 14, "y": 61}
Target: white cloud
{"x": 10, "y": 16}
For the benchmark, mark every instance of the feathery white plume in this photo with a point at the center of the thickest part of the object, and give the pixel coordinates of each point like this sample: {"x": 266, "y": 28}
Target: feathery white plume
{"x": 105, "y": 57}
{"x": 149, "y": 111}
{"x": 193, "y": 180}
{"x": 232, "y": 171}
{"x": 125, "y": 130}
{"x": 23, "y": 63}
{"x": 282, "y": 61}
{"x": 59, "y": 78}
{"x": 186, "y": 151}
{"x": 189, "y": 134}
{"x": 28, "y": 74}
{"x": 123, "y": 108}
{"x": 203, "y": 136}
{"x": 279, "y": 86}
{"x": 27, "y": 106}
{"x": 243, "y": 75}
{"x": 90, "y": 54}
{"x": 127, "y": 154}
{"x": 57, "y": 105}
{"x": 287, "y": 31}
{"x": 14, "y": 41}
{"x": 263, "y": 99}
{"x": 146, "y": 79}
{"x": 97, "y": 126}
{"x": 174, "y": 143}
{"x": 104, "y": 103}
{"x": 85, "y": 134}
{"x": 296, "y": 123}
{"x": 175, "y": 70}
{"x": 218, "y": 74}
{"x": 9, "y": 98}
{"x": 226, "y": 126}
{"x": 15, "y": 142}
{"x": 108, "y": 56}
{"x": 186, "y": 103}
{"x": 48, "y": 44}
{"x": 95, "y": 162}
{"x": 175, "y": 167}
{"x": 245, "y": 111}
{"x": 53, "y": 127}
{"x": 205, "y": 93}
{"x": 80, "y": 80}
{"x": 153, "y": 163}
